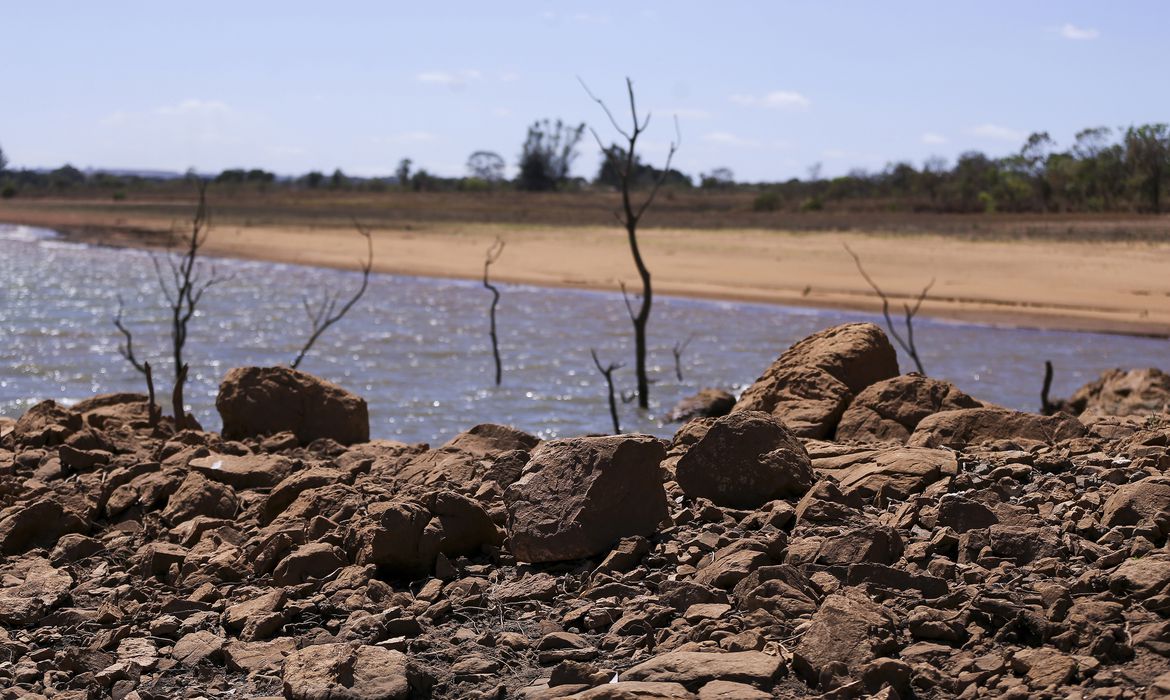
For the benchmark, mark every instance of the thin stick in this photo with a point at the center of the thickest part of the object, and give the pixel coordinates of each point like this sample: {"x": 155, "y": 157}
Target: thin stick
{"x": 492, "y": 255}
{"x": 907, "y": 344}
{"x": 325, "y": 314}
{"x": 678, "y": 350}
{"x": 607, "y": 372}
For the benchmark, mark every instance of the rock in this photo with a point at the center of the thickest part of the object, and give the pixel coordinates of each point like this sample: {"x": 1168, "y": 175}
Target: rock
{"x": 290, "y": 488}
{"x": 244, "y": 471}
{"x": 261, "y": 401}
{"x": 973, "y": 426}
{"x": 466, "y": 458}
{"x": 198, "y": 647}
{"x": 1143, "y": 577}
{"x": 46, "y": 424}
{"x": 579, "y": 496}
{"x": 1139, "y": 502}
{"x": 405, "y": 537}
{"x": 693, "y": 669}
{"x": 258, "y": 657}
{"x": 809, "y": 386}
{"x": 309, "y": 561}
{"x": 31, "y": 590}
{"x": 896, "y": 473}
{"x": 1119, "y": 392}
{"x": 844, "y": 635}
{"x": 38, "y": 524}
{"x": 745, "y": 460}
{"x": 157, "y": 558}
{"x": 708, "y": 403}
{"x": 1044, "y": 667}
{"x": 345, "y": 672}
{"x": 199, "y": 496}
{"x": 891, "y": 409}
{"x": 730, "y": 690}
{"x": 635, "y": 690}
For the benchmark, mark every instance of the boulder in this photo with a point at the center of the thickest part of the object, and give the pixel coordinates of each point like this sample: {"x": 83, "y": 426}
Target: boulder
{"x": 745, "y": 460}
{"x": 577, "y": 497}
{"x": 1138, "y": 503}
{"x": 198, "y": 495}
{"x": 30, "y": 590}
{"x": 467, "y": 457}
{"x": 261, "y": 401}
{"x": 845, "y": 634}
{"x": 345, "y": 672}
{"x": 244, "y": 471}
{"x": 635, "y": 690}
{"x": 1119, "y": 392}
{"x": 46, "y": 424}
{"x": 810, "y": 385}
{"x": 895, "y": 473}
{"x": 890, "y": 410}
{"x": 693, "y": 669}
{"x": 405, "y": 537}
{"x": 974, "y": 426}
{"x": 309, "y": 561}
{"x": 39, "y": 524}
{"x": 708, "y": 403}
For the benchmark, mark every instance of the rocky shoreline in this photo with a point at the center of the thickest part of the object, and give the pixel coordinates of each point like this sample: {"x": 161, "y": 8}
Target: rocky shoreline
{"x": 845, "y": 531}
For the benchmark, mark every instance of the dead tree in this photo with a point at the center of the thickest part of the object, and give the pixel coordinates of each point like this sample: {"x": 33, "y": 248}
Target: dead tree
{"x": 677, "y": 351}
{"x": 607, "y": 372}
{"x": 492, "y": 255}
{"x": 625, "y": 165}
{"x": 1047, "y": 406}
{"x": 183, "y": 286}
{"x": 907, "y": 344}
{"x": 326, "y": 312}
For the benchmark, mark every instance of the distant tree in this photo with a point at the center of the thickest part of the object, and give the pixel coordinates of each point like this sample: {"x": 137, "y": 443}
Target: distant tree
{"x": 338, "y": 179}
{"x": 547, "y": 155}
{"x": 3, "y": 160}
{"x": 402, "y": 173}
{"x": 1147, "y": 153}
{"x": 717, "y": 178}
{"x": 486, "y": 165}
{"x": 66, "y": 176}
{"x": 314, "y": 179}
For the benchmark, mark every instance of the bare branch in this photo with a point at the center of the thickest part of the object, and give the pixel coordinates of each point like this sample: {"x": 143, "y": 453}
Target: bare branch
{"x": 605, "y": 108}
{"x": 607, "y": 372}
{"x": 907, "y": 344}
{"x": 626, "y": 298}
{"x": 677, "y": 351}
{"x": 127, "y": 350}
{"x": 491, "y": 256}
{"x": 331, "y": 315}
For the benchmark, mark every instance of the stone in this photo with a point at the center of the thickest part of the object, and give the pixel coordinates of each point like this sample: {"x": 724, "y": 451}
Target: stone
{"x": 730, "y": 690}
{"x": 895, "y": 473}
{"x": 745, "y": 460}
{"x": 258, "y": 657}
{"x": 579, "y": 496}
{"x": 46, "y": 424}
{"x": 810, "y": 385}
{"x": 891, "y": 409}
{"x": 694, "y": 669}
{"x": 198, "y": 647}
{"x": 708, "y": 403}
{"x": 38, "y": 589}
{"x": 198, "y": 495}
{"x": 1142, "y": 577}
{"x": 309, "y": 561}
{"x": 345, "y": 672}
{"x": 41, "y": 523}
{"x": 1138, "y": 502}
{"x": 467, "y": 458}
{"x": 1119, "y": 392}
{"x": 262, "y": 401}
{"x": 974, "y": 426}
{"x": 844, "y": 635}
{"x": 635, "y": 690}
{"x": 244, "y": 471}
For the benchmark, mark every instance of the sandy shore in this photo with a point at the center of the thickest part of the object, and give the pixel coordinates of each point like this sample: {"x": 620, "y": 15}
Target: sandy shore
{"x": 1117, "y": 287}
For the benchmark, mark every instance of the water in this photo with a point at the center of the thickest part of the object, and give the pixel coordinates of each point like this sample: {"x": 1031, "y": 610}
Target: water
{"x": 417, "y": 348}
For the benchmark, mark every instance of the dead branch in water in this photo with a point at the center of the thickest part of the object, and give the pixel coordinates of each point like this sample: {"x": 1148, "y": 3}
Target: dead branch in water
{"x": 907, "y": 343}
{"x": 625, "y": 165}
{"x": 126, "y": 349}
{"x": 326, "y": 312}
{"x": 1047, "y": 406}
{"x": 607, "y": 372}
{"x": 492, "y": 255}
{"x": 677, "y": 351}
{"x": 153, "y": 411}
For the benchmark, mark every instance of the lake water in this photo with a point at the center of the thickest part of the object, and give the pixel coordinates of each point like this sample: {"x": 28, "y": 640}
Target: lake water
{"x": 417, "y": 348}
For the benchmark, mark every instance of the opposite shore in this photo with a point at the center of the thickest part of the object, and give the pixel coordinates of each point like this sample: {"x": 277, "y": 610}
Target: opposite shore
{"x": 1109, "y": 286}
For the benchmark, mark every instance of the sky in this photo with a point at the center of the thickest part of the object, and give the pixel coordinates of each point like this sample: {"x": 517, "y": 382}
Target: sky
{"x": 767, "y": 89}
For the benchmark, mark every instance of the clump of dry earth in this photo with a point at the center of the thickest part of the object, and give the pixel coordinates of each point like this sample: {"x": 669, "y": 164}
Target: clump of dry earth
{"x": 846, "y": 531}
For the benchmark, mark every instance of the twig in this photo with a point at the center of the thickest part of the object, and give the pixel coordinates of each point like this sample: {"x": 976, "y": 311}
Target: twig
{"x": 907, "y": 344}
{"x": 677, "y": 351}
{"x": 492, "y": 255}
{"x": 1046, "y": 406}
{"x": 326, "y": 313}
{"x": 607, "y": 372}
{"x": 127, "y": 350}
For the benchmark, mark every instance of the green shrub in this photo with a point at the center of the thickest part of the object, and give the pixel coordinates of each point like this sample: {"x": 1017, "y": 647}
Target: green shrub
{"x": 812, "y": 204}
{"x": 768, "y": 200}
{"x": 8, "y": 192}
{"x": 119, "y": 196}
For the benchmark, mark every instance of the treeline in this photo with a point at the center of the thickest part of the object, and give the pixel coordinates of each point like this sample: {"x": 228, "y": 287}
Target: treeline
{"x": 1103, "y": 170}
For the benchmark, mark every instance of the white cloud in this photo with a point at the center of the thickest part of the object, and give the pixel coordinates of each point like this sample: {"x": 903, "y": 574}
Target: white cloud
{"x": 725, "y": 138}
{"x": 777, "y": 99}
{"x": 932, "y": 139}
{"x": 454, "y": 81}
{"x": 194, "y": 107}
{"x": 1072, "y": 31}
{"x": 997, "y": 132}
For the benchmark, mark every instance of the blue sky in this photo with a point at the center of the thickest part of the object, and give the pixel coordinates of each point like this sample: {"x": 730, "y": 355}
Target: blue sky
{"x": 766, "y": 88}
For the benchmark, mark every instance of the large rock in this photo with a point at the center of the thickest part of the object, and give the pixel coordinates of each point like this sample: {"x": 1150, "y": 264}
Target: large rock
{"x": 468, "y": 457}
{"x": 345, "y": 672}
{"x": 973, "y": 426}
{"x": 844, "y": 635}
{"x": 30, "y": 590}
{"x": 1139, "y": 502}
{"x": 579, "y": 496}
{"x": 811, "y": 384}
{"x": 405, "y": 537}
{"x": 896, "y": 472}
{"x": 708, "y": 403}
{"x": 198, "y": 495}
{"x": 1119, "y": 392}
{"x": 745, "y": 460}
{"x": 693, "y": 669}
{"x": 260, "y": 401}
{"x": 244, "y": 471}
{"x": 891, "y": 409}
{"x": 46, "y": 424}
{"x": 38, "y": 524}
